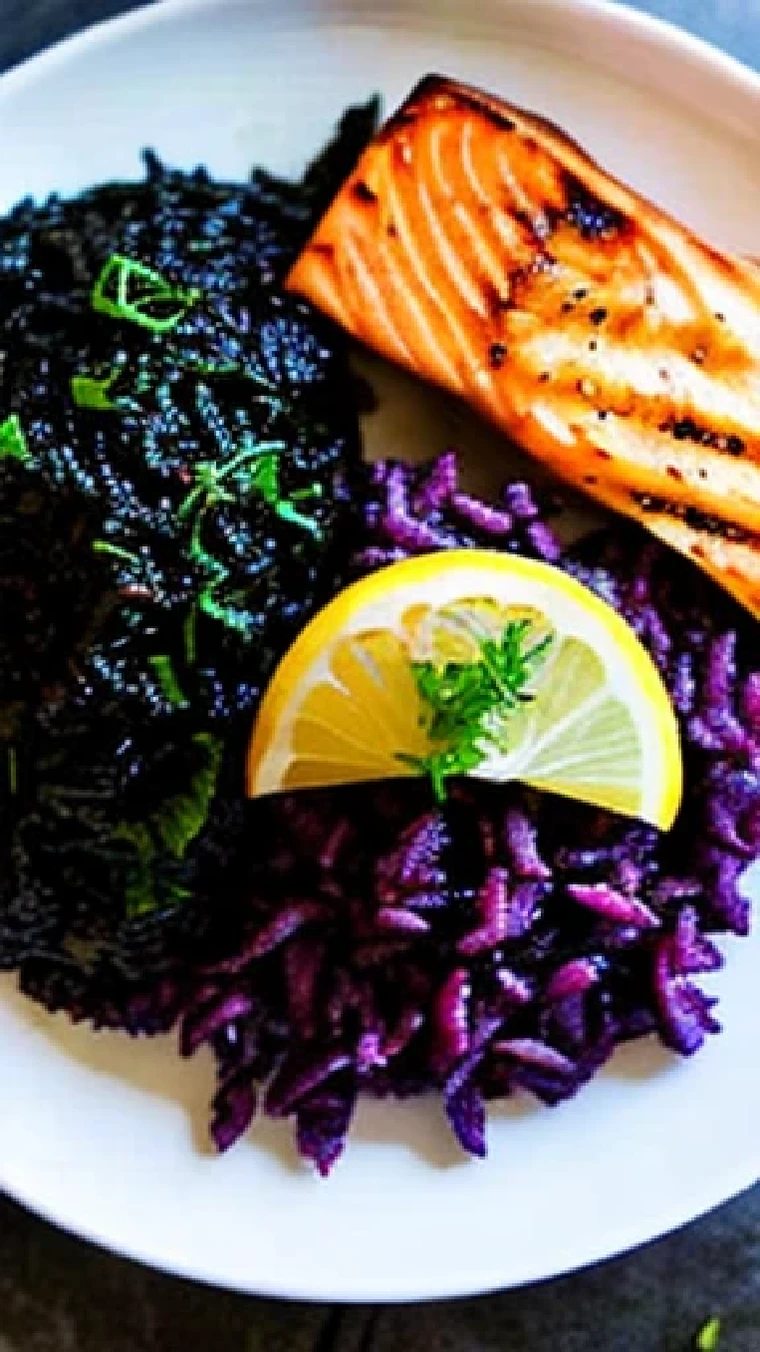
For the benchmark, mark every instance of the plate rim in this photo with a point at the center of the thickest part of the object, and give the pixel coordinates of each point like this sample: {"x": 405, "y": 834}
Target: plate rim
{"x": 714, "y": 62}
{"x": 615, "y": 12}
{"x": 627, "y": 1240}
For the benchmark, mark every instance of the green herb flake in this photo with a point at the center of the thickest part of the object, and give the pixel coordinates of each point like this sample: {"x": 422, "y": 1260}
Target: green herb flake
{"x": 126, "y": 289}
{"x": 12, "y": 771}
{"x": 114, "y": 551}
{"x": 141, "y": 892}
{"x": 219, "y": 368}
{"x": 190, "y": 636}
{"x": 708, "y": 1337}
{"x": 13, "y": 443}
{"x": 290, "y": 513}
{"x": 254, "y": 469}
{"x": 167, "y": 679}
{"x": 171, "y": 829}
{"x": 89, "y": 392}
{"x": 266, "y": 481}
{"x": 182, "y": 818}
{"x": 464, "y": 704}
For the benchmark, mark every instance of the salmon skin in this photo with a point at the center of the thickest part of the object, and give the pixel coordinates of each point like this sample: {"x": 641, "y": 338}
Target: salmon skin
{"x": 480, "y": 247}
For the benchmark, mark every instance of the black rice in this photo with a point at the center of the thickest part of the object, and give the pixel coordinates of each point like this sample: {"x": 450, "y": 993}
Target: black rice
{"x": 170, "y": 516}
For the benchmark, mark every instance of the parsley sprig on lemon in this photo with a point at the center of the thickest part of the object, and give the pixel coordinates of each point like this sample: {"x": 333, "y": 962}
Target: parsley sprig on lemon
{"x": 466, "y": 697}
{"x": 475, "y": 663}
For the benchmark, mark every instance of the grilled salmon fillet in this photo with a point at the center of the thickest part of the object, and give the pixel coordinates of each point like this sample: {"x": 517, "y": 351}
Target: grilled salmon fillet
{"x": 478, "y": 246}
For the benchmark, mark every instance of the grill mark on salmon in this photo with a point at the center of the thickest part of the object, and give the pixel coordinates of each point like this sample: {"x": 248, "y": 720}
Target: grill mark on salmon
{"x": 480, "y": 247}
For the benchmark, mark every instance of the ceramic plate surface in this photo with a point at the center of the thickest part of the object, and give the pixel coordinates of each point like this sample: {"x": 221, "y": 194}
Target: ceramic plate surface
{"x": 107, "y": 1137}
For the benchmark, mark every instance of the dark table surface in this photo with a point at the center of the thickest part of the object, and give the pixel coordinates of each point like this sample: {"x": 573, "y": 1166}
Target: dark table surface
{"x": 60, "y": 1295}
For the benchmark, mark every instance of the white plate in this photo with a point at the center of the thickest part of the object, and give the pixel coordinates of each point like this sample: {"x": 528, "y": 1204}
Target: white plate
{"x": 107, "y": 1137}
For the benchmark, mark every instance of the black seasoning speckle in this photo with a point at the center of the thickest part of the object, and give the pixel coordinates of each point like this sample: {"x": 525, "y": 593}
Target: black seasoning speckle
{"x": 686, "y": 429}
{"x": 698, "y": 520}
{"x": 363, "y": 193}
{"x": 497, "y": 354}
{"x": 592, "y": 218}
{"x": 598, "y": 316}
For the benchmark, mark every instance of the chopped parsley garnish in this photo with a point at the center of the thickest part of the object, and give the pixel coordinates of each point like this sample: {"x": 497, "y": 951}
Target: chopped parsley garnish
{"x": 171, "y": 828}
{"x": 208, "y": 491}
{"x": 89, "y": 392}
{"x": 266, "y": 481}
{"x": 142, "y": 892}
{"x": 255, "y": 469}
{"x": 126, "y": 289}
{"x": 114, "y": 551}
{"x": 167, "y": 679}
{"x": 465, "y": 704}
{"x": 708, "y": 1337}
{"x": 13, "y": 444}
{"x": 182, "y": 818}
{"x": 12, "y": 771}
{"x": 129, "y": 290}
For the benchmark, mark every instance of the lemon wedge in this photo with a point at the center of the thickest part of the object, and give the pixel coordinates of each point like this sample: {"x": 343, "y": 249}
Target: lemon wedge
{"x": 594, "y": 721}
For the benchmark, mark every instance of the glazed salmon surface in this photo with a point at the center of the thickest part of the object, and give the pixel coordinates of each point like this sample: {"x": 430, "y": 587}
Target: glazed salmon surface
{"x": 479, "y": 247}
